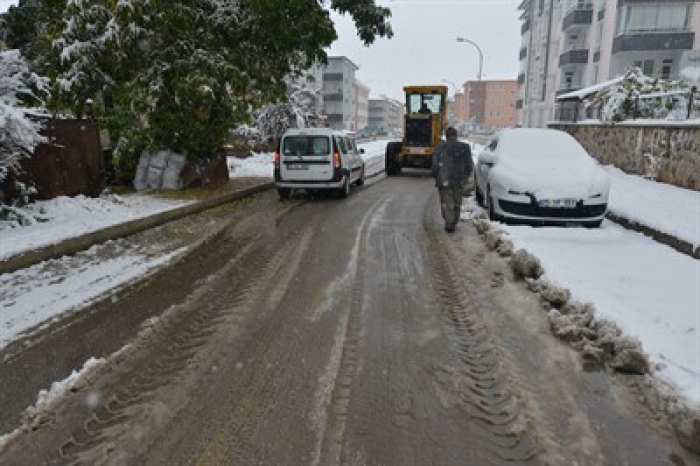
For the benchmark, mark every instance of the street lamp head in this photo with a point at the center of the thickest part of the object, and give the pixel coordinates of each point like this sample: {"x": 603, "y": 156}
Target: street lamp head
{"x": 478, "y": 49}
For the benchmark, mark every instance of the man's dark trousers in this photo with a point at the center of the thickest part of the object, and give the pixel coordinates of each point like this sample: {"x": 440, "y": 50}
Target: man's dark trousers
{"x": 451, "y": 203}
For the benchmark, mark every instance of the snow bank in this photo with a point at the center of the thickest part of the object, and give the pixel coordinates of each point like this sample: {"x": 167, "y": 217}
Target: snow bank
{"x": 665, "y": 208}
{"x": 68, "y": 217}
{"x": 46, "y": 399}
{"x": 257, "y": 165}
{"x": 621, "y": 299}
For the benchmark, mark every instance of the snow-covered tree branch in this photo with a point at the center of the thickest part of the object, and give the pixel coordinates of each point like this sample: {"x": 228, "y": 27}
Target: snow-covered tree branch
{"x": 297, "y": 110}
{"x": 641, "y": 96}
{"x": 22, "y": 99}
{"x": 180, "y": 75}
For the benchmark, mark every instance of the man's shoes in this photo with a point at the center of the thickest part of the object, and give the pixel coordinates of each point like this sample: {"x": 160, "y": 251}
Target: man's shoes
{"x": 450, "y": 228}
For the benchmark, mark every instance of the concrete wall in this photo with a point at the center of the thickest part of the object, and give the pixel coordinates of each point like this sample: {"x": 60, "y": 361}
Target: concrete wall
{"x": 670, "y": 154}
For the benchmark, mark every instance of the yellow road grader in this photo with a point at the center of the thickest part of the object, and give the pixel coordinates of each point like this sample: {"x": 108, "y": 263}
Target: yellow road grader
{"x": 424, "y": 124}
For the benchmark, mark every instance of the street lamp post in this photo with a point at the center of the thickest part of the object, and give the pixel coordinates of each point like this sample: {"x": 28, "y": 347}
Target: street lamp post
{"x": 452, "y": 117}
{"x": 478, "y": 49}
{"x": 456, "y": 89}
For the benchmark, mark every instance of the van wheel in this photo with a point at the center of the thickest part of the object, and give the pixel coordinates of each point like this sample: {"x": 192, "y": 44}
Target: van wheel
{"x": 361, "y": 180}
{"x": 284, "y": 193}
{"x": 345, "y": 190}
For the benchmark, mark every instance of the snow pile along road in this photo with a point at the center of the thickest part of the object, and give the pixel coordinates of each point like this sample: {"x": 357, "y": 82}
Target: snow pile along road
{"x": 623, "y": 300}
{"x": 257, "y": 165}
{"x": 68, "y": 217}
{"x": 665, "y": 208}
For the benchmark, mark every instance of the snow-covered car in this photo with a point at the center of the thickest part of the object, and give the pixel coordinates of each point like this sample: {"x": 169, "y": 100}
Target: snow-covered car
{"x": 541, "y": 177}
{"x": 318, "y": 158}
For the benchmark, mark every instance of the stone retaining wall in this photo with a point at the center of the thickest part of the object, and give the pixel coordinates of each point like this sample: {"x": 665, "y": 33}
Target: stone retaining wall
{"x": 669, "y": 153}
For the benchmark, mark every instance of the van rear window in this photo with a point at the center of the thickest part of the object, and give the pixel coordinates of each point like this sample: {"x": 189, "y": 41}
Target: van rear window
{"x": 306, "y": 145}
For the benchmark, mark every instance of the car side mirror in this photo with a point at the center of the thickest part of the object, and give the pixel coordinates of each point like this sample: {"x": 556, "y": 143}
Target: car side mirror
{"x": 487, "y": 158}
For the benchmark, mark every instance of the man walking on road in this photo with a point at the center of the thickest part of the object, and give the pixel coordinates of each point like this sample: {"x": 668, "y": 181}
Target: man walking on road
{"x": 452, "y": 167}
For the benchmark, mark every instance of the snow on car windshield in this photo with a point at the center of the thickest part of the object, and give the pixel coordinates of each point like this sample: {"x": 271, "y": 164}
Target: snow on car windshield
{"x": 550, "y": 164}
{"x": 539, "y": 144}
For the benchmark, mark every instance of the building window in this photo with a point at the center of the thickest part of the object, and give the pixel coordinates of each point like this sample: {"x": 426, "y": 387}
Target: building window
{"x": 647, "y": 66}
{"x": 568, "y": 79}
{"x": 666, "y": 69}
{"x": 654, "y": 18}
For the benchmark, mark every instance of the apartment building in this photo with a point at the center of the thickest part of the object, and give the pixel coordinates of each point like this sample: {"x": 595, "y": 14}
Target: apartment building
{"x": 340, "y": 93}
{"x": 386, "y": 113}
{"x": 460, "y": 108}
{"x": 361, "y": 105}
{"x": 490, "y": 105}
{"x": 572, "y": 44}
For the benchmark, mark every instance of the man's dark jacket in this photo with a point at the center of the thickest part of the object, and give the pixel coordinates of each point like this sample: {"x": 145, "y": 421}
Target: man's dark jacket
{"x": 452, "y": 164}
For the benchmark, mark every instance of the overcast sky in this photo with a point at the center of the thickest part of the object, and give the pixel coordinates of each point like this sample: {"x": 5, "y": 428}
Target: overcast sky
{"x": 424, "y": 49}
{"x": 5, "y": 4}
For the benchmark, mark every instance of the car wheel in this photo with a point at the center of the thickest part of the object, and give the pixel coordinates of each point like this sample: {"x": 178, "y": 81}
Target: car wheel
{"x": 594, "y": 224}
{"x": 361, "y": 180}
{"x": 284, "y": 193}
{"x": 479, "y": 197}
{"x": 489, "y": 199}
{"x": 345, "y": 190}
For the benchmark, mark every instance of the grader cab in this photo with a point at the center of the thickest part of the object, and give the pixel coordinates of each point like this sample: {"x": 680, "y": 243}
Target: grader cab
{"x": 424, "y": 124}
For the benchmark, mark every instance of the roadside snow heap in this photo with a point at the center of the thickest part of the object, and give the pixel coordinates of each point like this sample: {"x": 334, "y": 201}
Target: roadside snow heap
{"x": 600, "y": 341}
{"x": 21, "y": 107}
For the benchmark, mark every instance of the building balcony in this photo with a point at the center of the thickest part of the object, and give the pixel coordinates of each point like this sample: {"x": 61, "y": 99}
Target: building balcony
{"x": 596, "y": 56}
{"x": 333, "y": 76}
{"x": 333, "y": 97}
{"x": 574, "y": 57}
{"x": 577, "y": 18}
{"x": 653, "y": 41}
{"x": 523, "y": 53}
{"x": 525, "y": 27}
{"x": 519, "y": 104}
{"x": 521, "y": 78}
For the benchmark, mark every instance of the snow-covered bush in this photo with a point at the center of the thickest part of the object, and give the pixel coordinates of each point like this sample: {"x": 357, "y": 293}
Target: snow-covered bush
{"x": 642, "y": 97}
{"x": 296, "y": 110}
{"x": 22, "y": 99}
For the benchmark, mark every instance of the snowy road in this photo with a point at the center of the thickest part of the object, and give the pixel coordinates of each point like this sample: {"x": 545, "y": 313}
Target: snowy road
{"x": 649, "y": 289}
{"x": 330, "y": 332}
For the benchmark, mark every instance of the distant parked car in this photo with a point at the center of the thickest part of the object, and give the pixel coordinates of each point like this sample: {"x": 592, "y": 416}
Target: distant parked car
{"x": 541, "y": 177}
{"x": 318, "y": 158}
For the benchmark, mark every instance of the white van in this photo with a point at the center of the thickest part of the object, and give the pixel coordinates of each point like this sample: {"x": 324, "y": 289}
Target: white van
{"x": 318, "y": 158}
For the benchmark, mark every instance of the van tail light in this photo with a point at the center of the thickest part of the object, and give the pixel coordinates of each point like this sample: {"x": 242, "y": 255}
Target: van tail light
{"x": 277, "y": 160}
{"x": 337, "y": 161}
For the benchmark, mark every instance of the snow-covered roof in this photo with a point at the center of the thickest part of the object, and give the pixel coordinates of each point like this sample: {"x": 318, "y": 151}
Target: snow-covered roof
{"x": 586, "y": 91}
